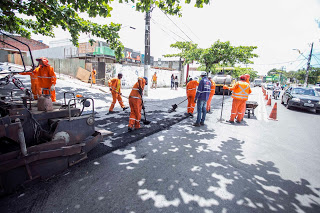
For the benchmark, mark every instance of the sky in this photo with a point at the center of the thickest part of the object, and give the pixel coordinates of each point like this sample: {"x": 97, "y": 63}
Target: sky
{"x": 276, "y": 27}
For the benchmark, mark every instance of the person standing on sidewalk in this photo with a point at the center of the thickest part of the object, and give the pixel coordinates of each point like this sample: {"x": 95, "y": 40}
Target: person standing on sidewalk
{"x": 191, "y": 94}
{"x": 172, "y": 81}
{"x": 115, "y": 88}
{"x": 201, "y": 98}
{"x": 93, "y": 75}
{"x": 154, "y": 81}
{"x": 241, "y": 91}
{"x": 135, "y": 102}
{"x": 176, "y": 83}
{"x": 213, "y": 90}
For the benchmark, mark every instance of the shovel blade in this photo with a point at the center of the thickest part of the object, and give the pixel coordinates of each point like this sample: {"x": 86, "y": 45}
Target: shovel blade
{"x": 146, "y": 122}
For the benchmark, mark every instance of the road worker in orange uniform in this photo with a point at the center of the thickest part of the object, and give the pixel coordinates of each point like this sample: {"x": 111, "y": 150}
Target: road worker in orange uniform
{"x": 115, "y": 88}
{"x": 36, "y": 90}
{"x": 154, "y": 81}
{"x": 46, "y": 78}
{"x": 241, "y": 91}
{"x": 191, "y": 94}
{"x": 213, "y": 90}
{"x": 247, "y": 76}
{"x": 93, "y": 76}
{"x": 135, "y": 102}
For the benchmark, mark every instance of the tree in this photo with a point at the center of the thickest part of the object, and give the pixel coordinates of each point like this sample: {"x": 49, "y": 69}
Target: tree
{"x": 189, "y": 51}
{"x": 49, "y": 14}
{"x": 223, "y": 53}
{"x": 241, "y": 71}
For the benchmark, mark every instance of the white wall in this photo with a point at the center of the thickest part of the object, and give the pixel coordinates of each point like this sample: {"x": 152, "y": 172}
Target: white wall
{"x": 131, "y": 74}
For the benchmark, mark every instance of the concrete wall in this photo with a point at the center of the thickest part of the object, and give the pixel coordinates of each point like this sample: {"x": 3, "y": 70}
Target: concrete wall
{"x": 131, "y": 74}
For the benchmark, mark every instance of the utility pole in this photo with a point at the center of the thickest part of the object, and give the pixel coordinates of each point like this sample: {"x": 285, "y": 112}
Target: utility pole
{"x": 308, "y": 67}
{"x": 147, "y": 51}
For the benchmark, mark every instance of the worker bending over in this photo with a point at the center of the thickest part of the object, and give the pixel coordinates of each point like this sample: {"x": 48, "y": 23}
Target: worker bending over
{"x": 36, "y": 90}
{"x": 241, "y": 90}
{"x": 115, "y": 88}
{"x": 191, "y": 90}
{"x": 213, "y": 90}
{"x": 46, "y": 78}
{"x": 135, "y": 102}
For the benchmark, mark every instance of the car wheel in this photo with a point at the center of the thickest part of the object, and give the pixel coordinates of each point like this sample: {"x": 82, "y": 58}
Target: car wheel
{"x": 318, "y": 111}
{"x": 288, "y": 106}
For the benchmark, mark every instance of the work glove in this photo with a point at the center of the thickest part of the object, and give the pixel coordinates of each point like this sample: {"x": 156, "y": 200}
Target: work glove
{"x": 225, "y": 87}
{"x": 195, "y": 100}
{"x": 143, "y": 107}
{"x": 52, "y": 87}
{"x": 110, "y": 90}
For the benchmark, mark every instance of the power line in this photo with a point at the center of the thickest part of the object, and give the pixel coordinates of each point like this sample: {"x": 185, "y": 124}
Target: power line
{"x": 279, "y": 63}
{"x": 177, "y": 26}
{"x": 169, "y": 30}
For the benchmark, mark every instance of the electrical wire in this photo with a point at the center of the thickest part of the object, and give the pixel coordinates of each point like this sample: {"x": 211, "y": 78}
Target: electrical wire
{"x": 279, "y": 62}
{"x": 169, "y": 30}
{"x": 176, "y": 25}
{"x": 164, "y": 30}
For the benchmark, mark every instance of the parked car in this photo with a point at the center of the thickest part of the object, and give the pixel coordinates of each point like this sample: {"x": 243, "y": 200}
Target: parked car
{"x": 301, "y": 97}
{"x": 317, "y": 89}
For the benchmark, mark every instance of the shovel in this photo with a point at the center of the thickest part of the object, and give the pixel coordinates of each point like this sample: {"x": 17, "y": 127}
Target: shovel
{"x": 145, "y": 122}
{"x": 175, "y": 106}
{"x": 220, "y": 120}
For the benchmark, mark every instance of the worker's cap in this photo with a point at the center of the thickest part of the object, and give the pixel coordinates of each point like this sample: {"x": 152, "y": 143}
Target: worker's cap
{"x": 204, "y": 73}
{"x": 242, "y": 78}
{"x": 190, "y": 79}
{"x": 196, "y": 78}
{"x": 120, "y": 74}
{"x": 44, "y": 60}
{"x": 247, "y": 76}
{"x": 145, "y": 78}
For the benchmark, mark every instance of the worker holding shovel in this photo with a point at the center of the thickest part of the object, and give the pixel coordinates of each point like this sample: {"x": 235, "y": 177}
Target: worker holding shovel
{"x": 115, "y": 88}
{"x": 136, "y": 104}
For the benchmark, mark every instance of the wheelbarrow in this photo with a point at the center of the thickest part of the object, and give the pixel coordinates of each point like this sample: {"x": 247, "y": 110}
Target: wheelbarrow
{"x": 250, "y": 106}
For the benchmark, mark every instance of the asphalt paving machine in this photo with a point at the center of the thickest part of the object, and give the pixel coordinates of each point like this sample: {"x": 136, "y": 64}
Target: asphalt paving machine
{"x": 36, "y": 144}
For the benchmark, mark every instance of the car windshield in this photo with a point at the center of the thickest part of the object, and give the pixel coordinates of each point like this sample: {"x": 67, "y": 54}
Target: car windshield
{"x": 303, "y": 91}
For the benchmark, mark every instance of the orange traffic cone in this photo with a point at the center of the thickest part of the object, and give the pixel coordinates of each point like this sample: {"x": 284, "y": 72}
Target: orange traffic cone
{"x": 269, "y": 102}
{"x": 273, "y": 114}
{"x": 266, "y": 98}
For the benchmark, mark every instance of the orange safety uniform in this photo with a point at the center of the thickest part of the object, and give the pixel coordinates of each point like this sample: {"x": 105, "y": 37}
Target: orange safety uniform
{"x": 46, "y": 78}
{"x": 241, "y": 91}
{"x": 154, "y": 81}
{"x": 135, "y": 102}
{"x": 191, "y": 94}
{"x": 213, "y": 90}
{"x": 93, "y": 76}
{"x": 115, "y": 86}
{"x": 36, "y": 90}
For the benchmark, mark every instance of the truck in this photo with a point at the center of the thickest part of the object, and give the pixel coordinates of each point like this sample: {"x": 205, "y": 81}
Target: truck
{"x": 223, "y": 77}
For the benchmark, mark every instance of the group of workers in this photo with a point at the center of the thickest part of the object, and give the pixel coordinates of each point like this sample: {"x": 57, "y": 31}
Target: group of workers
{"x": 43, "y": 80}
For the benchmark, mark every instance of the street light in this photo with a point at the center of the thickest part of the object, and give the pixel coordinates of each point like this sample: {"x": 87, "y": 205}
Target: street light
{"x": 308, "y": 64}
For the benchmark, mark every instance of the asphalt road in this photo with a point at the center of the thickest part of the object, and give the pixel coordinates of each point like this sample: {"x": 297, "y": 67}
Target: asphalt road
{"x": 260, "y": 165}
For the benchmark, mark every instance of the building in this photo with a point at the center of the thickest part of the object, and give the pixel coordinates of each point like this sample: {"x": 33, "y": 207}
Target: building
{"x": 9, "y": 48}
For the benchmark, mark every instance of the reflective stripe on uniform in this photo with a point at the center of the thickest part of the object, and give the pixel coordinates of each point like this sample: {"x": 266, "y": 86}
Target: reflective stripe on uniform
{"x": 241, "y": 95}
{"x": 192, "y": 89}
{"x": 134, "y": 119}
{"x": 134, "y": 97}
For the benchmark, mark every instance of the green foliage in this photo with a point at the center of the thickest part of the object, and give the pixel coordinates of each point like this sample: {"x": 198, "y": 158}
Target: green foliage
{"x": 49, "y": 14}
{"x": 222, "y": 53}
{"x": 241, "y": 71}
{"x": 189, "y": 51}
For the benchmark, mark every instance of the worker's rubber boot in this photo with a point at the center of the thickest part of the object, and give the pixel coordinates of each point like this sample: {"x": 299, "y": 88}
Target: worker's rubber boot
{"x": 130, "y": 129}
{"x": 124, "y": 108}
{"x": 196, "y": 124}
{"x": 232, "y": 122}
